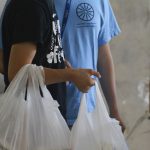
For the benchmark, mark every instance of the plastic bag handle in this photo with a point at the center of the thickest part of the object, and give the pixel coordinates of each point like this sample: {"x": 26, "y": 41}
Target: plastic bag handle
{"x": 98, "y": 101}
{"x": 44, "y": 92}
{"x": 41, "y": 79}
{"x": 34, "y": 77}
{"x": 27, "y": 76}
{"x": 19, "y": 81}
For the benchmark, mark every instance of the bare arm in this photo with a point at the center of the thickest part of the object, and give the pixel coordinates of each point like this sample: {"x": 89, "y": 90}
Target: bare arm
{"x": 106, "y": 67}
{"x": 23, "y": 53}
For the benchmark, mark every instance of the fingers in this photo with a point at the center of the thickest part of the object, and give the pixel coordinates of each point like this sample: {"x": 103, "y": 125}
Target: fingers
{"x": 121, "y": 123}
{"x": 67, "y": 64}
{"x": 122, "y": 127}
{"x": 92, "y": 72}
{"x": 92, "y": 82}
{"x": 88, "y": 86}
{"x": 85, "y": 90}
{"x": 95, "y": 73}
{"x": 83, "y": 79}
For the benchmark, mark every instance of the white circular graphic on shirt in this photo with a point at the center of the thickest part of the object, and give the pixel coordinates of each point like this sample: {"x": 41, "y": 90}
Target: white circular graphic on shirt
{"x": 85, "y": 12}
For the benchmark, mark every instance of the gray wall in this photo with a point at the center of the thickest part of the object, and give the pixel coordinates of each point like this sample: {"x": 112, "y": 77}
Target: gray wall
{"x": 131, "y": 53}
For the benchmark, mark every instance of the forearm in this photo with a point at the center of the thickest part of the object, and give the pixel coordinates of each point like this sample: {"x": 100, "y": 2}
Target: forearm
{"x": 106, "y": 67}
{"x": 57, "y": 75}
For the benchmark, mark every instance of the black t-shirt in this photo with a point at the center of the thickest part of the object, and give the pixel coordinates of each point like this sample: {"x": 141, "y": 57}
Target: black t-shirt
{"x": 35, "y": 21}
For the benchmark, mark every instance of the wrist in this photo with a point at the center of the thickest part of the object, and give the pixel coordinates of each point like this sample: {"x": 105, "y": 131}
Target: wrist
{"x": 70, "y": 74}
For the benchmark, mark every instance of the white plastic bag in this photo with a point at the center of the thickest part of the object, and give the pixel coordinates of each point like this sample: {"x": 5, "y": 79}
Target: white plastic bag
{"x": 96, "y": 130}
{"x": 34, "y": 123}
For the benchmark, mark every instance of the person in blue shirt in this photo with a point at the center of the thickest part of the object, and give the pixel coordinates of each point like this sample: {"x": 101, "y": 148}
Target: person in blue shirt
{"x": 89, "y": 26}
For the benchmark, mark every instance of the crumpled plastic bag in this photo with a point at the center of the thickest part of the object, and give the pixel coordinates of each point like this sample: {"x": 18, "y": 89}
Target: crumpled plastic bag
{"x": 29, "y": 121}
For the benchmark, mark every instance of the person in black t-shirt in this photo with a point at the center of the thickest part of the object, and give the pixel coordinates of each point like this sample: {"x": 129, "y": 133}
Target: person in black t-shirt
{"x": 31, "y": 34}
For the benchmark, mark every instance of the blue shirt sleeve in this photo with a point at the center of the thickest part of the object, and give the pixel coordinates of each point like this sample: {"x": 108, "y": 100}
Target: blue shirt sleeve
{"x": 110, "y": 27}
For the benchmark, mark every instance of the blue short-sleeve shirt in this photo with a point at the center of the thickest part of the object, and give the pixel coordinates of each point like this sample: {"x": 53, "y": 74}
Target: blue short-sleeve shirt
{"x": 91, "y": 24}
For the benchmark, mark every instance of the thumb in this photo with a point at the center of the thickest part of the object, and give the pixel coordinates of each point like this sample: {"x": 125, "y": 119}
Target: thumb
{"x": 93, "y": 72}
